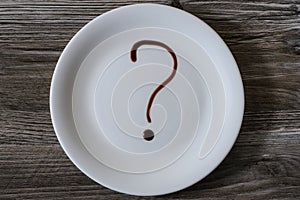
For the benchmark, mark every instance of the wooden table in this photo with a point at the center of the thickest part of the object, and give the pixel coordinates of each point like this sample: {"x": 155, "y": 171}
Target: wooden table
{"x": 264, "y": 37}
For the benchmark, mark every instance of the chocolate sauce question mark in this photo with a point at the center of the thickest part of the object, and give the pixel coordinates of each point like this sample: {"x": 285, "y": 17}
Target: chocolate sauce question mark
{"x": 148, "y": 134}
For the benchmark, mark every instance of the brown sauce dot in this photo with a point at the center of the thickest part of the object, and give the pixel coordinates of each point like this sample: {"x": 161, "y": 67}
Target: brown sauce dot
{"x": 148, "y": 135}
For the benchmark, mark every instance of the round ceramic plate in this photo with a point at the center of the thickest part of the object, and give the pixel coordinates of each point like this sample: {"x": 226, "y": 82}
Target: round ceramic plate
{"x": 146, "y": 99}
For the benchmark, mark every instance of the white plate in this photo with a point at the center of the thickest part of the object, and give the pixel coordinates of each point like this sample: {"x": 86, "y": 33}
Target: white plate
{"x": 99, "y": 96}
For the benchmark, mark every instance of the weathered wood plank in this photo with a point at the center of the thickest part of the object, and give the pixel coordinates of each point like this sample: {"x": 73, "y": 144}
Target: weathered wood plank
{"x": 35, "y": 128}
{"x": 46, "y": 172}
{"x": 264, "y": 37}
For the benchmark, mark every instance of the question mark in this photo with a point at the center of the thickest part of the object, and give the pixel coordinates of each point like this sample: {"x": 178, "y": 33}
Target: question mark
{"x": 148, "y": 133}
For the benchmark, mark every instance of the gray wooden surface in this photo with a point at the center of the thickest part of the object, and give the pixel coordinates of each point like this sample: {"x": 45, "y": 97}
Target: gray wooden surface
{"x": 264, "y": 37}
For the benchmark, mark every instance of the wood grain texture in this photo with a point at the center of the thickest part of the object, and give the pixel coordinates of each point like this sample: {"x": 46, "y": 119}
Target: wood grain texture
{"x": 264, "y": 36}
